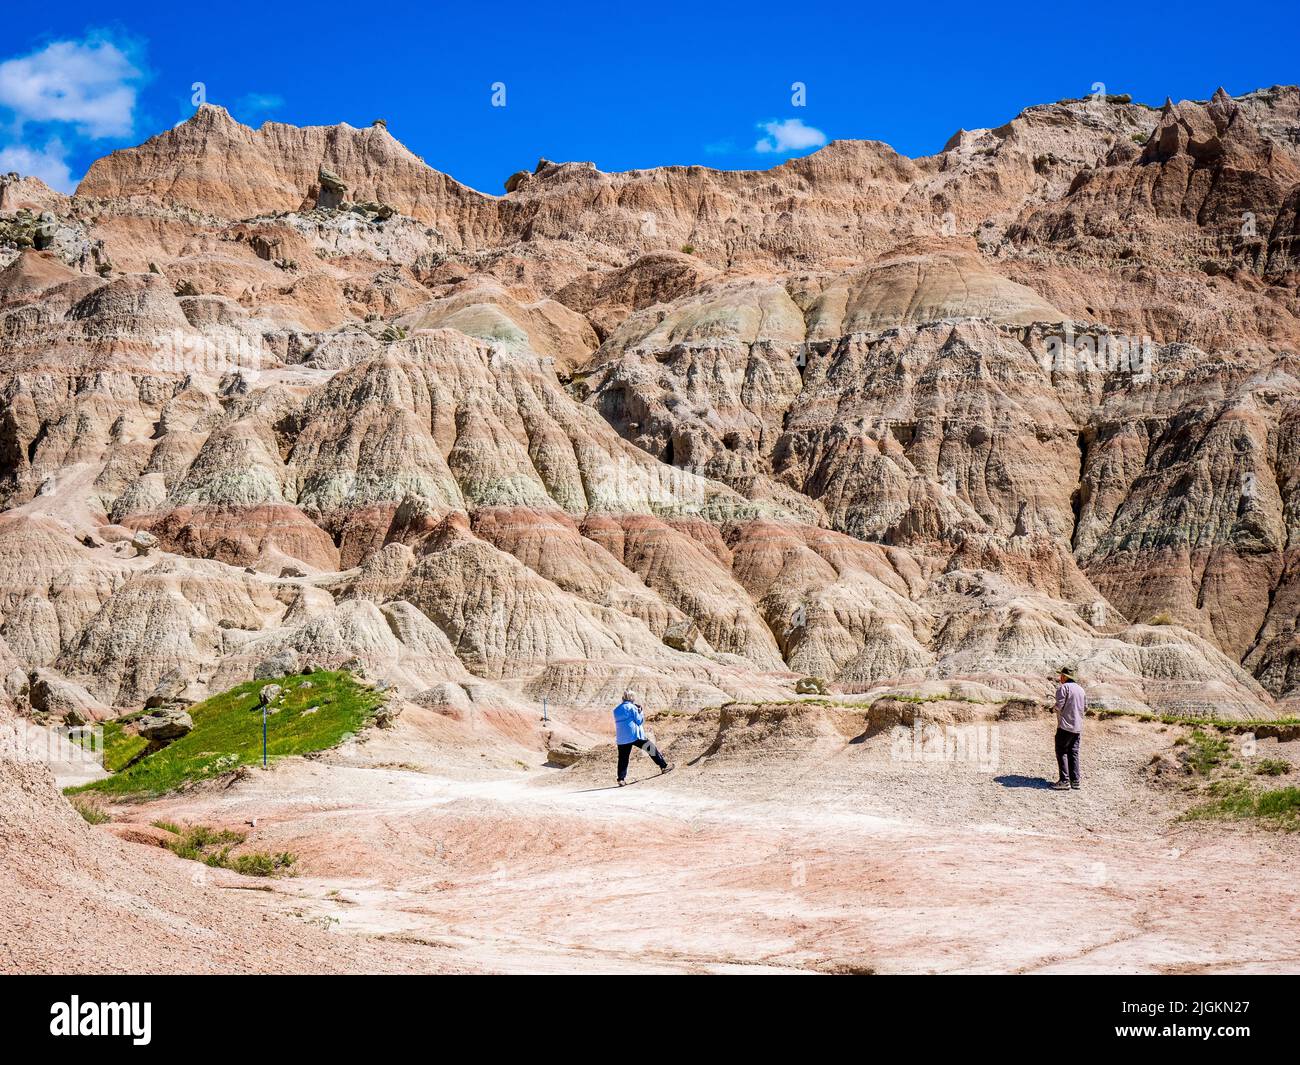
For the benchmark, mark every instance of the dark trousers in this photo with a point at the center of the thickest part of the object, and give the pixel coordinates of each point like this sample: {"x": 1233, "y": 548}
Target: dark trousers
{"x": 625, "y": 752}
{"x": 1067, "y": 754}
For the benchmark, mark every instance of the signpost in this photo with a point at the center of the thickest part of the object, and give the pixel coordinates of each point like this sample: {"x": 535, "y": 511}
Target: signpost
{"x": 263, "y": 735}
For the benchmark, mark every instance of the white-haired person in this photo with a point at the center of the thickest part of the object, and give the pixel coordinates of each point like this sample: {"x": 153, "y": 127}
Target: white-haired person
{"x": 628, "y": 733}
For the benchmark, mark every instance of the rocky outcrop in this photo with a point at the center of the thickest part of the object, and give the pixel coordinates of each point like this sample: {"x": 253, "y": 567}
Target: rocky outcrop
{"x": 165, "y": 725}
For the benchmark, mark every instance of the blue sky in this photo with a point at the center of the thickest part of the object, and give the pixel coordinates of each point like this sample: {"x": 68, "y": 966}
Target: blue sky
{"x": 621, "y": 84}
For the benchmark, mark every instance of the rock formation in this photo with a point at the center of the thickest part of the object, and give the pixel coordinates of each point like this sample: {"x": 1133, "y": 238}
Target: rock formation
{"x": 285, "y": 395}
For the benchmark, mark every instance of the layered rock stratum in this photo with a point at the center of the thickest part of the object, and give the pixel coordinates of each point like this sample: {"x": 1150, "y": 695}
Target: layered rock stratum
{"x": 1031, "y": 401}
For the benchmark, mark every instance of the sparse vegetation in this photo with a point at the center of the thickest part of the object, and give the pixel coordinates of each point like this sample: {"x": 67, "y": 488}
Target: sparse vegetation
{"x": 201, "y": 843}
{"x": 942, "y": 697}
{"x": 688, "y": 249}
{"x": 1236, "y": 725}
{"x": 91, "y": 812}
{"x": 1161, "y": 618}
{"x": 1235, "y": 800}
{"x": 1205, "y": 752}
{"x": 262, "y": 863}
{"x": 1272, "y": 767}
{"x": 228, "y": 733}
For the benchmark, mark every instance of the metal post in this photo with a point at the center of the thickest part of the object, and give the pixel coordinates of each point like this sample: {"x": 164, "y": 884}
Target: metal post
{"x": 544, "y": 702}
{"x": 263, "y": 737}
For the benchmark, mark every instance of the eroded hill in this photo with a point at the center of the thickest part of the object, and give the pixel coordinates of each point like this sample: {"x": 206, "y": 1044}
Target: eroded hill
{"x": 881, "y": 420}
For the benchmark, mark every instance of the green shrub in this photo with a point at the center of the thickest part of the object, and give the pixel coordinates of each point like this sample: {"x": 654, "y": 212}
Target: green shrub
{"x": 262, "y": 863}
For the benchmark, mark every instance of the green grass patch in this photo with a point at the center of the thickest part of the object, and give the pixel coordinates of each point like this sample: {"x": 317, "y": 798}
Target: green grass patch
{"x": 227, "y": 733}
{"x": 199, "y": 843}
{"x": 121, "y": 746}
{"x": 1236, "y": 801}
{"x": 262, "y": 863}
{"x": 212, "y": 846}
{"x": 1205, "y": 752}
{"x": 941, "y": 698}
{"x": 91, "y": 812}
{"x": 1273, "y": 767}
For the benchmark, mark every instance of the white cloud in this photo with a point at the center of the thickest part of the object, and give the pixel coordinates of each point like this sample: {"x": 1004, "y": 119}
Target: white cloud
{"x": 259, "y": 103}
{"x": 47, "y": 163}
{"x": 788, "y": 136}
{"x": 89, "y": 84}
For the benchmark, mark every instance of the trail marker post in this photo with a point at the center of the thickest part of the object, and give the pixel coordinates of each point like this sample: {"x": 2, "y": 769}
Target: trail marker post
{"x": 263, "y": 736}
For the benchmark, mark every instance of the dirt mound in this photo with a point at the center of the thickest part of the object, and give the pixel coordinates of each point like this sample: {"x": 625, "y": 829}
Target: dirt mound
{"x": 890, "y": 711}
{"x": 748, "y": 730}
{"x": 79, "y": 900}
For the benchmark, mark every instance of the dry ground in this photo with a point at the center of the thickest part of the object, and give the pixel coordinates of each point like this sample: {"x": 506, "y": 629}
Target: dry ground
{"x": 789, "y": 852}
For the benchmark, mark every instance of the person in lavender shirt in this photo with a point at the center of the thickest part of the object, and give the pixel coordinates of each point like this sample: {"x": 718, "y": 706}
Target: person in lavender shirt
{"x": 1070, "y": 704}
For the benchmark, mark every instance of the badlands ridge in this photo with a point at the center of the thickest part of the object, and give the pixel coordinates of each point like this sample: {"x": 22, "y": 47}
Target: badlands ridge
{"x": 898, "y": 424}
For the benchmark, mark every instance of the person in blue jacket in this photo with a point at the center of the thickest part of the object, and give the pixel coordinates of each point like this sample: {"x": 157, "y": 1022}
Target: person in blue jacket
{"x": 628, "y": 733}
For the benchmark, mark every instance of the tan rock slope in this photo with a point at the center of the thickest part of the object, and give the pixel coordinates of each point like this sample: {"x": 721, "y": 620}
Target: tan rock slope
{"x": 885, "y": 421}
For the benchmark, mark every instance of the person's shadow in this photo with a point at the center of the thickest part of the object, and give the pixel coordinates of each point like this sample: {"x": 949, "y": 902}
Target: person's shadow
{"x": 1017, "y": 781}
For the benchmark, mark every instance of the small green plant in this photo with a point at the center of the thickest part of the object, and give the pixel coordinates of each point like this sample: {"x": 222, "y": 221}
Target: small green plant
{"x": 1161, "y": 618}
{"x": 1273, "y": 767}
{"x": 688, "y": 249}
{"x": 200, "y": 843}
{"x": 325, "y": 921}
{"x": 262, "y": 863}
{"x": 167, "y": 826}
{"x": 1206, "y": 752}
{"x": 91, "y": 812}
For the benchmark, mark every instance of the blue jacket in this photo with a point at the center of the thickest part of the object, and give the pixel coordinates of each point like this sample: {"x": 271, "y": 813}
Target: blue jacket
{"x": 627, "y": 723}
